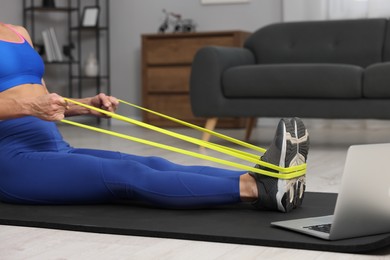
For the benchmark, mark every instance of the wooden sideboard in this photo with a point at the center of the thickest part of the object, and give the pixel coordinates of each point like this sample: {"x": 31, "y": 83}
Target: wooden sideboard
{"x": 166, "y": 68}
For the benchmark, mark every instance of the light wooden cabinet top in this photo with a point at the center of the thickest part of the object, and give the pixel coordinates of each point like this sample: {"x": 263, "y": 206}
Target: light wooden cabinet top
{"x": 181, "y": 48}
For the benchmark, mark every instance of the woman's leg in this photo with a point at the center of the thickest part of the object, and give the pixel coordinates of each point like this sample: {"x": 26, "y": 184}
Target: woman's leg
{"x": 60, "y": 178}
{"x": 158, "y": 163}
{"x": 187, "y": 175}
{"x": 91, "y": 176}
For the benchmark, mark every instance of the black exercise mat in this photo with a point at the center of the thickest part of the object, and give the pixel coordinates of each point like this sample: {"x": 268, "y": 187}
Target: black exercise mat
{"x": 240, "y": 224}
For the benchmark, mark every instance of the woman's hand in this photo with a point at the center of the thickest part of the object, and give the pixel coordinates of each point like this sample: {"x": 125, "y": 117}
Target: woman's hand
{"x": 104, "y": 102}
{"x": 53, "y": 107}
{"x": 101, "y": 101}
{"x": 50, "y": 107}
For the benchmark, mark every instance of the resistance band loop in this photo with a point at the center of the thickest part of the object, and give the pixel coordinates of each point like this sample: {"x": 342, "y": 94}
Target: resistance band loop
{"x": 173, "y": 134}
{"x": 225, "y": 137}
{"x": 205, "y": 130}
{"x": 194, "y": 154}
{"x": 300, "y": 169}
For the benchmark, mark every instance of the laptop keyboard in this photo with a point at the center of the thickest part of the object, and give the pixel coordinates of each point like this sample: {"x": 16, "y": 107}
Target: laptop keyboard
{"x": 325, "y": 228}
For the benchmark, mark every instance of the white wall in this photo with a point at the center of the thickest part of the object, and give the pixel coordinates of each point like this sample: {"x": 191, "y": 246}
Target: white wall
{"x": 129, "y": 19}
{"x": 11, "y": 11}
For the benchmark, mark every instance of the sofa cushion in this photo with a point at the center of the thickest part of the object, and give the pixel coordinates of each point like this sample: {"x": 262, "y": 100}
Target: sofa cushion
{"x": 358, "y": 42}
{"x": 293, "y": 81}
{"x": 377, "y": 81}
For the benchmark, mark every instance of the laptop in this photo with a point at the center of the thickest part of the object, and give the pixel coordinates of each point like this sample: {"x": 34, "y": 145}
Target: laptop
{"x": 363, "y": 203}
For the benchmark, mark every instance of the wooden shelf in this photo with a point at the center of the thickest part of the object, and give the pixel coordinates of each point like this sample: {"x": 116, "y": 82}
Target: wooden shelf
{"x": 76, "y": 39}
{"x": 80, "y": 28}
{"x": 51, "y": 9}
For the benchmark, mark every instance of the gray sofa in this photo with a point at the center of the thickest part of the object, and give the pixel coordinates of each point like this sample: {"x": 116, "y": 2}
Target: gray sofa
{"x": 317, "y": 69}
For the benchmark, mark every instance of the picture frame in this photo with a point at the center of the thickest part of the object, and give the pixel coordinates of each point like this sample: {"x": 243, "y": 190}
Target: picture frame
{"x": 90, "y": 16}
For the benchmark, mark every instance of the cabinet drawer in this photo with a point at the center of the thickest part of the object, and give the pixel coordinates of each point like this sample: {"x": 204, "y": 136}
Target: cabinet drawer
{"x": 179, "y": 50}
{"x": 168, "y": 79}
{"x": 177, "y": 106}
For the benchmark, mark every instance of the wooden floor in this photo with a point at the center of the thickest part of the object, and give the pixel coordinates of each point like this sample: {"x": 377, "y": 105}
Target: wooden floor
{"x": 329, "y": 142}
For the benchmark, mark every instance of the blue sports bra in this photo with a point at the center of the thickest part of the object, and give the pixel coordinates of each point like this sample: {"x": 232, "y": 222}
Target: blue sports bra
{"x": 19, "y": 64}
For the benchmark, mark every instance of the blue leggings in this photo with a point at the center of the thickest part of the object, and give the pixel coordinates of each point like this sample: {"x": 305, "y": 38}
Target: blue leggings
{"x": 38, "y": 167}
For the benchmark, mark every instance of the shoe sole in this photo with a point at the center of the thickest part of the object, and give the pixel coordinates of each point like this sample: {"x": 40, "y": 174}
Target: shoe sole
{"x": 302, "y": 139}
{"x": 303, "y": 143}
{"x": 284, "y": 196}
{"x": 297, "y": 144}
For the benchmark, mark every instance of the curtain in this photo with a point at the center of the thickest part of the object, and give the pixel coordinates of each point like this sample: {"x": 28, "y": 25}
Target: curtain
{"x": 294, "y": 10}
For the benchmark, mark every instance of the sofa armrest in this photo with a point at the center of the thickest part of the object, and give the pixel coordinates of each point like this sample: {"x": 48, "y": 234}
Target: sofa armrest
{"x": 210, "y": 62}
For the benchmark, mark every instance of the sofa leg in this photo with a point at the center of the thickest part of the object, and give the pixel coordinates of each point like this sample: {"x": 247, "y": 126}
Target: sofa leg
{"x": 250, "y": 123}
{"x": 210, "y": 125}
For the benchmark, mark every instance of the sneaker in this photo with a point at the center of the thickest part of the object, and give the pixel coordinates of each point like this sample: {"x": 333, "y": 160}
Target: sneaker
{"x": 289, "y": 148}
{"x": 303, "y": 143}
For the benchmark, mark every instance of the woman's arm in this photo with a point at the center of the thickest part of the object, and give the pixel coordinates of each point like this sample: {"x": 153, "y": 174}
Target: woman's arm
{"x": 50, "y": 107}
{"x": 102, "y": 101}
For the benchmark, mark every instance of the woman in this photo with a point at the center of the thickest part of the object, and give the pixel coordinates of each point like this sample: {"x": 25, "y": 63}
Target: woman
{"x": 38, "y": 167}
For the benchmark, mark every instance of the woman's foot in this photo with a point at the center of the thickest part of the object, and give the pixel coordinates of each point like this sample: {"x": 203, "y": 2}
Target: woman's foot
{"x": 289, "y": 148}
